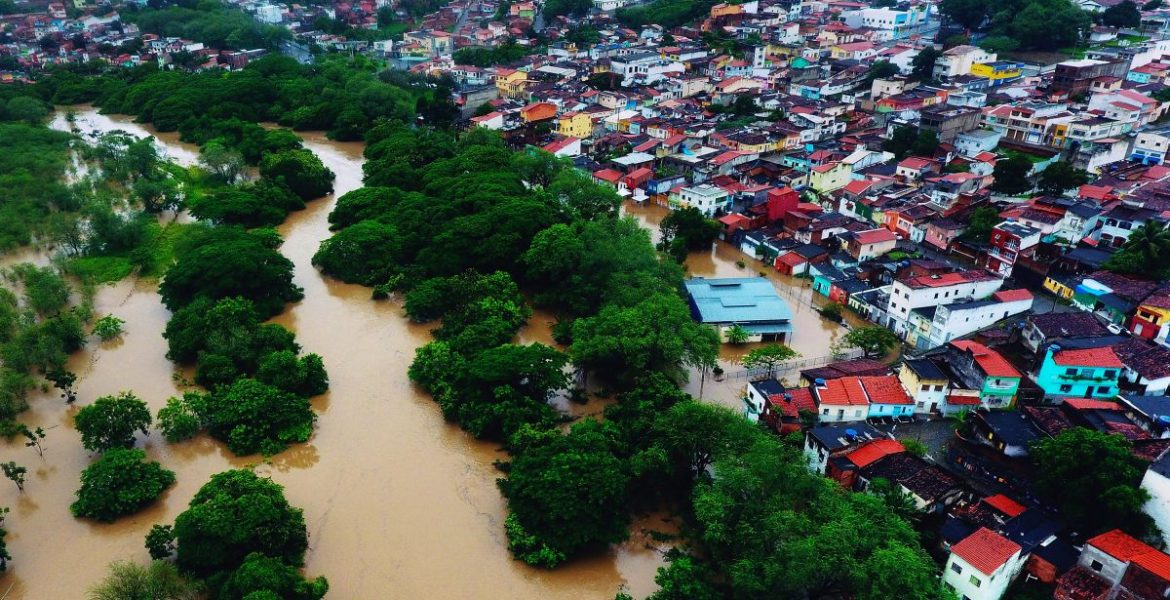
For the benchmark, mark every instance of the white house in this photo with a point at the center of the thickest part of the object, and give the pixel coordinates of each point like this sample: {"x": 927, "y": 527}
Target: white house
{"x": 1156, "y": 483}
{"x": 935, "y": 290}
{"x": 959, "y": 60}
{"x": 983, "y": 565}
{"x": 758, "y": 394}
{"x": 705, "y": 197}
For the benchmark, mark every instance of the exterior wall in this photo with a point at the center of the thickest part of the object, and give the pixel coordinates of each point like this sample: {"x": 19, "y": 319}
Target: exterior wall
{"x": 927, "y": 394}
{"x": 1082, "y": 382}
{"x": 890, "y": 410}
{"x": 1102, "y": 564}
{"x": 990, "y": 587}
{"x": 831, "y": 413}
{"x": 1158, "y": 506}
{"x": 816, "y": 456}
{"x": 999, "y": 392}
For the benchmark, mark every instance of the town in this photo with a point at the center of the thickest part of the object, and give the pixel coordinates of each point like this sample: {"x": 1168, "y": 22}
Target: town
{"x": 979, "y": 200}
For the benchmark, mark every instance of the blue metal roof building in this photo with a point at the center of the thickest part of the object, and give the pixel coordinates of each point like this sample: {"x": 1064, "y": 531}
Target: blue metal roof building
{"x": 750, "y": 302}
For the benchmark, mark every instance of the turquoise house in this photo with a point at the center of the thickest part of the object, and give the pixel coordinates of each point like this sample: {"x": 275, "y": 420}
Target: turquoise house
{"x": 1079, "y": 373}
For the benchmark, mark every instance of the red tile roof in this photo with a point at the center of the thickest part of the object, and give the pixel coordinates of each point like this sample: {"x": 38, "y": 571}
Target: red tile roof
{"x": 792, "y": 259}
{"x": 1012, "y": 295}
{"x": 958, "y": 400}
{"x": 846, "y": 391}
{"x": 876, "y": 236}
{"x": 1087, "y": 404}
{"x": 874, "y": 451}
{"x": 1126, "y": 548}
{"x": 1005, "y": 505}
{"x": 609, "y": 175}
{"x": 885, "y": 389}
{"x": 801, "y": 399}
{"x": 1088, "y": 357}
{"x": 914, "y": 162}
{"x": 992, "y": 362}
{"x": 858, "y": 186}
{"x": 985, "y": 550}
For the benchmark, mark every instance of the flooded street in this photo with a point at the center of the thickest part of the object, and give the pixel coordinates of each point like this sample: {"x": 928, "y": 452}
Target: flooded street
{"x": 399, "y": 503}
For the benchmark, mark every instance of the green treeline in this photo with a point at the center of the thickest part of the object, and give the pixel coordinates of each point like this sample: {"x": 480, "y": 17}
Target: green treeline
{"x": 1022, "y": 24}
{"x": 467, "y": 230}
{"x": 667, "y": 13}
{"x": 342, "y": 96}
{"x": 210, "y": 22}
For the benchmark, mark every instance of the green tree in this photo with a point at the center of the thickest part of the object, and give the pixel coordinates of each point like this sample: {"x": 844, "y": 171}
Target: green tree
{"x": 160, "y": 541}
{"x": 1125, "y": 14}
{"x": 108, "y": 327}
{"x": 907, "y": 140}
{"x": 260, "y": 574}
{"x": 1011, "y": 175}
{"x": 179, "y": 420}
{"x": 366, "y": 253}
{"x": 566, "y": 493}
{"x": 685, "y": 577}
{"x": 1092, "y": 478}
{"x": 874, "y": 340}
{"x": 980, "y": 223}
{"x": 968, "y": 13}
{"x": 1059, "y": 177}
{"x": 768, "y": 357}
{"x": 656, "y": 334}
{"x": 226, "y": 262}
{"x": 26, "y": 108}
{"x": 120, "y": 482}
{"x": 159, "y": 580}
{"x": 223, "y": 162}
{"x": 5, "y": 556}
{"x": 881, "y": 69}
{"x": 686, "y": 230}
{"x": 737, "y": 334}
{"x": 233, "y": 515}
{"x": 15, "y": 473}
{"x": 1145, "y": 252}
{"x": 250, "y": 417}
{"x": 110, "y": 422}
{"x": 301, "y": 170}
{"x": 922, "y": 65}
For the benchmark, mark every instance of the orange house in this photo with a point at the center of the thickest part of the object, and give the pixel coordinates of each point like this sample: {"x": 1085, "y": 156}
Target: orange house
{"x": 538, "y": 111}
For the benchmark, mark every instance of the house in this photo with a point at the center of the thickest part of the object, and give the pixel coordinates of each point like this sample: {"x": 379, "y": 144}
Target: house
{"x": 983, "y": 565}
{"x": 960, "y": 60}
{"x": 931, "y": 488}
{"x": 1116, "y": 565}
{"x": 1156, "y": 483}
{"x": 978, "y": 367}
{"x": 1147, "y": 367}
{"x": 758, "y": 393}
{"x": 790, "y": 411}
{"x": 538, "y": 111}
{"x": 1009, "y": 242}
{"x": 1041, "y": 330}
{"x": 492, "y": 120}
{"x": 857, "y": 398}
{"x": 870, "y": 244}
{"x": 823, "y": 442}
{"x": 707, "y": 198}
{"x": 935, "y": 289}
{"x": 1111, "y": 295}
{"x": 1152, "y": 317}
{"x": 844, "y": 469}
{"x": 1008, "y": 432}
{"x": 1078, "y": 373}
{"x": 932, "y": 326}
{"x": 749, "y": 302}
{"x": 575, "y": 124}
{"x": 927, "y": 384}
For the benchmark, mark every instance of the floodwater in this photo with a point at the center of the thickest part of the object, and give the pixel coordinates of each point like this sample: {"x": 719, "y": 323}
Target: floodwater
{"x": 399, "y": 503}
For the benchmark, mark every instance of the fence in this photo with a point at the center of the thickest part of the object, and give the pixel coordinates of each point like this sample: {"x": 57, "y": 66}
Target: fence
{"x": 792, "y": 365}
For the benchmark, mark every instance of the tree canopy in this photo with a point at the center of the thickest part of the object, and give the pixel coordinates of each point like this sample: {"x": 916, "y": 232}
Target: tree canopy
{"x": 120, "y": 482}
{"x": 110, "y": 422}
{"x": 1093, "y": 478}
{"x": 1144, "y": 253}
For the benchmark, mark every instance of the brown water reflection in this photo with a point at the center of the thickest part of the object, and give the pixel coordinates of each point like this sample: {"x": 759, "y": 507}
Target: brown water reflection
{"x": 399, "y": 503}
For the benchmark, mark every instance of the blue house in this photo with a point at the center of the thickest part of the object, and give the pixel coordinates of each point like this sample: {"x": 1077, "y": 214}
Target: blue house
{"x": 1079, "y": 373}
{"x": 749, "y": 302}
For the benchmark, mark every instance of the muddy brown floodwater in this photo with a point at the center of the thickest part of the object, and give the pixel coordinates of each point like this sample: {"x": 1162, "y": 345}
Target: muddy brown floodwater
{"x": 399, "y": 503}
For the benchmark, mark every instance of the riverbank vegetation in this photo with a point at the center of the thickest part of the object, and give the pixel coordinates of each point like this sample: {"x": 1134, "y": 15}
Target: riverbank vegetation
{"x": 472, "y": 230}
{"x": 340, "y": 95}
{"x": 242, "y": 538}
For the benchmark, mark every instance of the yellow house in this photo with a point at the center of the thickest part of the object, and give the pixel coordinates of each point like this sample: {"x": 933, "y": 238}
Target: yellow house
{"x": 510, "y": 82}
{"x": 829, "y": 177}
{"x": 1151, "y": 316}
{"x": 575, "y": 124}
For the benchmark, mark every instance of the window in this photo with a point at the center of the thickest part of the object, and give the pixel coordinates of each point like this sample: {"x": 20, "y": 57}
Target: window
{"x": 825, "y": 412}
{"x": 1070, "y": 371}
{"x": 1110, "y": 374}
{"x": 938, "y": 388}
{"x": 975, "y": 581}
{"x": 1096, "y": 566}
{"x": 925, "y": 388}
{"x": 1066, "y": 388}
{"x": 1104, "y": 389}
{"x": 956, "y": 568}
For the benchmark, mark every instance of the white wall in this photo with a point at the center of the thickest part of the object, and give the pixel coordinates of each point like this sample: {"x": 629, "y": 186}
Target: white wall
{"x": 1158, "y": 506}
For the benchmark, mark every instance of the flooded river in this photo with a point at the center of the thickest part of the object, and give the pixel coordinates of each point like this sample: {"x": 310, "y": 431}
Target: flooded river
{"x": 399, "y": 503}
